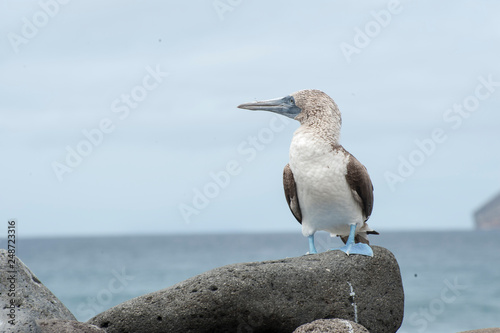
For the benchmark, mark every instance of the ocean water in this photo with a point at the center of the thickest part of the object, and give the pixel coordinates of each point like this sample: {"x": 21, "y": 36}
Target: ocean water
{"x": 451, "y": 279}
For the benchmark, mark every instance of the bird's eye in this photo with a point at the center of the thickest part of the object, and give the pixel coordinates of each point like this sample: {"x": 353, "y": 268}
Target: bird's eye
{"x": 292, "y": 100}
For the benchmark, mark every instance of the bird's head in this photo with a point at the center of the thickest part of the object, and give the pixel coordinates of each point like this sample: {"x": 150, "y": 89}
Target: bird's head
{"x": 307, "y": 106}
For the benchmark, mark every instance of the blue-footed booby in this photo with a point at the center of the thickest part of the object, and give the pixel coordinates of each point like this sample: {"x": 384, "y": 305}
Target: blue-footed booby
{"x": 325, "y": 186}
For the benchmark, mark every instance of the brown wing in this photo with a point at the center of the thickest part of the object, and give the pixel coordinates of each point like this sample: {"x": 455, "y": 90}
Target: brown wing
{"x": 358, "y": 179}
{"x": 291, "y": 193}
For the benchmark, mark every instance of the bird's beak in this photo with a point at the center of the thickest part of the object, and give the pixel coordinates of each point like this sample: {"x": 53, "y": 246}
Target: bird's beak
{"x": 284, "y": 106}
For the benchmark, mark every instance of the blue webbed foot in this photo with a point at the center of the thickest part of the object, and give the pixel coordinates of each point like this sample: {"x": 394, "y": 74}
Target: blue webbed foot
{"x": 355, "y": 248}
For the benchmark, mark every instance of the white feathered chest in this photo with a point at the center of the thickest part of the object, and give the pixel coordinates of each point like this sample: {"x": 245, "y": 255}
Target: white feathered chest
{"x": 325, "y": 198}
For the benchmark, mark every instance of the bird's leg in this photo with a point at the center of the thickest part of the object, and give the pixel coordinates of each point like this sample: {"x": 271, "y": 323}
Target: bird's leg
{"x": 312, "y": 248}
{"x": 355, "y": 248}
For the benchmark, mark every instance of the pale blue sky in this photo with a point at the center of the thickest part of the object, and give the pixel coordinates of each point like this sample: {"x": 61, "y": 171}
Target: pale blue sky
{"x": 163, "y": 79}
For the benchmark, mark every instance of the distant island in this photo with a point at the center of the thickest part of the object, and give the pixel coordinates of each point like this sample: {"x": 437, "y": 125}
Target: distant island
{"x": 488, "y": 216}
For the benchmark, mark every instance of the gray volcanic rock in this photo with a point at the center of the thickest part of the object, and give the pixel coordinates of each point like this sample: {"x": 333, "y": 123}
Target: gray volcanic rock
{"x": 67, "y": 326}
{"x": 271, "y": 296}
{"x": 331, "y": 326}
{"x": 24, "y": 298}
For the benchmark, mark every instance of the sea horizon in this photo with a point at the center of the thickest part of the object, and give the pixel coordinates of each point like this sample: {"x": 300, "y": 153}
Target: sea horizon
{"x": 235, "y": 232}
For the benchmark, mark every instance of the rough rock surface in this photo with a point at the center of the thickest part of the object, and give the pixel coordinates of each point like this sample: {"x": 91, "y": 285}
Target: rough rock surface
{"x": 67, "y": 326}
{"x": 331, "y": 326}
{"x": 271, "y": 296}
{"x": 23, "y": 295}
